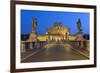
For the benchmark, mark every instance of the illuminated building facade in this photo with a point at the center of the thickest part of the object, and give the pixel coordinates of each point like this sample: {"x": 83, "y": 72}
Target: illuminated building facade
{"x": 55, "y": 33}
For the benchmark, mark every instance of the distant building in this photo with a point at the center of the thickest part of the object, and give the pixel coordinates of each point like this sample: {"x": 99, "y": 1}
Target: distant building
{"x": 56, "y": 33}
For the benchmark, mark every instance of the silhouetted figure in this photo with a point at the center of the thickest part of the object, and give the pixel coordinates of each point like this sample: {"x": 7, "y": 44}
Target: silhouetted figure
{"x": 79, "y": 25}
{"x": 34, "y": 24}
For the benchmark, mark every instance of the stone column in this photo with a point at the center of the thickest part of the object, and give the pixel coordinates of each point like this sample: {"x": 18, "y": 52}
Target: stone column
{"x": 23, "y": 47}
{"x": 66, "y": 37}
{"x": 81, "y": 44}
{"x": 36, "y": 45}
{"x": 30, "y": 45}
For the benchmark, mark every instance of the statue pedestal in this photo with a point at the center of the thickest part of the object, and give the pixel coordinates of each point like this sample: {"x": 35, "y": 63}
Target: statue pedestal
{"x": 31, "y": 45}
{"x": 32, "y": 39}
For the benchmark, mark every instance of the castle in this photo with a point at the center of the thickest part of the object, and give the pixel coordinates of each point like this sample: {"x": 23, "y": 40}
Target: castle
{"x": 56, "y": 33}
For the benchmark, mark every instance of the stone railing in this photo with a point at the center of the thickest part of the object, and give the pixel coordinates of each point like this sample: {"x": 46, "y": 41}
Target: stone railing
{"x": 85, "y": 44}
{"x": 29, "y": 45}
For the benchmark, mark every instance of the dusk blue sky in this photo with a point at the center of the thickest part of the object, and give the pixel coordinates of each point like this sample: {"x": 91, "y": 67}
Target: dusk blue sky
{"x": 46, "y": 19}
